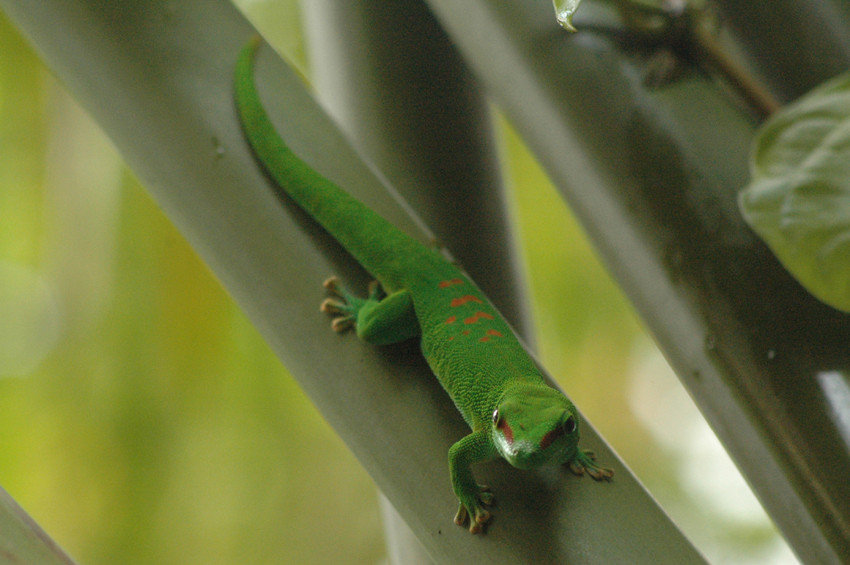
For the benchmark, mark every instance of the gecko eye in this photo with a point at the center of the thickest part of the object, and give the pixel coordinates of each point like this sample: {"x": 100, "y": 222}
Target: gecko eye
{"x": 570, "y": 425}
{"x": 497, "y": 418}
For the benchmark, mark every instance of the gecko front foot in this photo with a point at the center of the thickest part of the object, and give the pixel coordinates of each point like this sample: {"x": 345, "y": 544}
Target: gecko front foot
{"x": 585, "y": 462}
{"x": 474, "y": 510}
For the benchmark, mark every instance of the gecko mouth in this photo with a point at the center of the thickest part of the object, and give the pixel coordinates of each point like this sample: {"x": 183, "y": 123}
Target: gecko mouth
{"x": 522, "y": 454}
{"x": 528, "y": 453}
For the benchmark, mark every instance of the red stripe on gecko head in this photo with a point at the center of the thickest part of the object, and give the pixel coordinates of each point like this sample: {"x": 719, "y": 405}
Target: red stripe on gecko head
{"x": 464, "y": 299}
{"x": 551, "y": 437}
{"x": 494, "y": 333}
{"x": 507, "y": 431}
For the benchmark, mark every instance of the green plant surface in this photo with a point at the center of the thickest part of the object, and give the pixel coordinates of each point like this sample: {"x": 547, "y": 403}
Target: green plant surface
{"x": 798, "y": 200}
{"x": 160, "y": 428}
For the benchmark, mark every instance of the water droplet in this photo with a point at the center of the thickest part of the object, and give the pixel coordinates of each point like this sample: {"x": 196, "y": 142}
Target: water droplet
{"x": 771, "y": 353}
{"x": 710, "y": 342}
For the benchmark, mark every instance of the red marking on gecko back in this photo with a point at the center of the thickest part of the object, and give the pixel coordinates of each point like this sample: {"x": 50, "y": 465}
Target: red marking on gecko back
{"x": 464, "y": 299}
{"x": 490, "y": 333}
{"x": 451, "y": 320}
{"x": 446, "y": 284}
{"x": 477, "y": 316}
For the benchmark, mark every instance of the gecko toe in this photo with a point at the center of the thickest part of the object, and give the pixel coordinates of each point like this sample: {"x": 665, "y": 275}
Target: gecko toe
{"x": 331, "y": 306}
{"x": 331, "y": 283}
{"x": 461, "y": 516}
{"x": 342, "y": 324}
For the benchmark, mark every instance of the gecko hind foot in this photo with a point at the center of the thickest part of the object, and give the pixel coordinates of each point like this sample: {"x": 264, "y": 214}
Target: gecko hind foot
{"x": 339, "y": 305}
{"x": 343, "y": 305}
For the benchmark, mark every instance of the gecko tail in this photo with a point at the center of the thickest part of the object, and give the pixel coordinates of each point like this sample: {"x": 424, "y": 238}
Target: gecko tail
{"x": 371, "y": 239}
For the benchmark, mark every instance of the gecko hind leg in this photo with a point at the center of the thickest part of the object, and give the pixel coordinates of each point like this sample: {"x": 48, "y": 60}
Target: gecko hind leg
{"x": 380, "y": 319}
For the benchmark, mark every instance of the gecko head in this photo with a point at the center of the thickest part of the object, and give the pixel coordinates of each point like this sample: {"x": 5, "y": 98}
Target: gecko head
{"x": 535, "y": 425}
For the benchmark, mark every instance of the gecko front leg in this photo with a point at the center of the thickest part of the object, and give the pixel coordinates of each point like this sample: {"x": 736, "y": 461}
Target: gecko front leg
{"x": 472, "y": 497}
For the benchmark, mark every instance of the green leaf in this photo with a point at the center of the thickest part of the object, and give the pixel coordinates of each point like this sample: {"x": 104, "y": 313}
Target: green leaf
{"x": 564, "y": 10}
{"x": 798, "y": 200}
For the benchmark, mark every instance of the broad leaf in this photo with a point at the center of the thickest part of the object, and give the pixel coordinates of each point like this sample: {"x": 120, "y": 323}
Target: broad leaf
{"x": 798, "y": 200}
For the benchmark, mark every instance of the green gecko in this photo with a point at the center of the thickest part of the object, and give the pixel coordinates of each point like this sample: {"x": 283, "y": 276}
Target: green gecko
{"x": 494, "y": 383}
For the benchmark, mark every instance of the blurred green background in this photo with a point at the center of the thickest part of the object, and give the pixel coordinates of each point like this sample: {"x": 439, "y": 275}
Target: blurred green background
{"x": 143, "y": 420}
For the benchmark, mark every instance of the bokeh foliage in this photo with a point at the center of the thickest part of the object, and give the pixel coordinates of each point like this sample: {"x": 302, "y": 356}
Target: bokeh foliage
{"x": 146, "y": 421}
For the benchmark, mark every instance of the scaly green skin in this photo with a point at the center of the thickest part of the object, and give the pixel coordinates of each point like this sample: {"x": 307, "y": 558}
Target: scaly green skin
{"x": 496, "y": 386}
